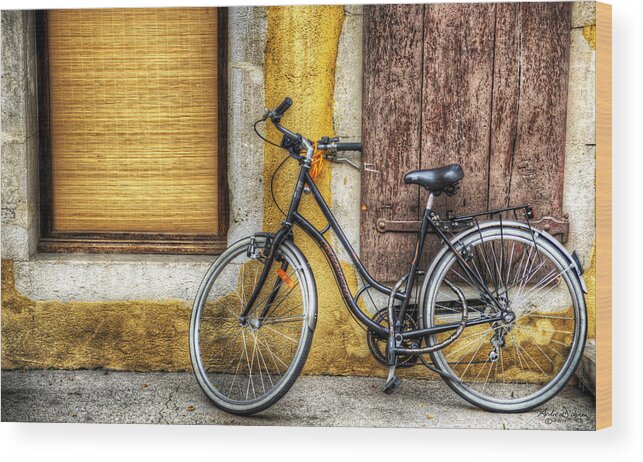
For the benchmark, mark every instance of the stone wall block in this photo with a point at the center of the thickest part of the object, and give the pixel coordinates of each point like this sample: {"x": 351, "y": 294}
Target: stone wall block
{"x": 580, "y": 163}
{"x": 13, "y": 75}
{"x": 581, "y": 127}
{"x": 30, "y": 85}
{"x": 578, "y": 197}
{"x": 248, "y": 28}
{"x": 583, "y": 14}
{"x": 14, "y": 178}
{"x": 347, "y": 121}
{"x": 245, "y": 161}
{"x": 248, "y": 38}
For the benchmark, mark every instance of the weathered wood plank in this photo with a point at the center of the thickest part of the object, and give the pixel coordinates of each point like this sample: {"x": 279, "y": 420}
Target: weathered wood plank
{"x": 458, "y": 63}
{"x": 391, "y": 132}
{"x": 506, "y": 93}
{"x": 536, "y": 174}
{"x": 458, "y": 69}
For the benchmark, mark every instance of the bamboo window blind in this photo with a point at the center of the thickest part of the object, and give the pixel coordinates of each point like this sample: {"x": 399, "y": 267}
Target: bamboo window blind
{"x": 133, "y": 120}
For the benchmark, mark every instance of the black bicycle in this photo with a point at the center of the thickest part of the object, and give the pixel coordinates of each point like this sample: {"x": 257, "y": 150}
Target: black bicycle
{"x": 500, "y": 312}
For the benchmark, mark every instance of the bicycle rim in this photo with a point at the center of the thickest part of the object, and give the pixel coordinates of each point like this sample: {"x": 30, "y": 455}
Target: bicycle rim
{"x": 246, "y": 366}
{"x": 517, "y": 365}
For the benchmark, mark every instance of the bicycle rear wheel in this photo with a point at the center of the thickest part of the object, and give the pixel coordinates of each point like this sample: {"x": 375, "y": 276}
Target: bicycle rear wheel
{"x": 519, "y": 363}
{"x": 246, "y": 365}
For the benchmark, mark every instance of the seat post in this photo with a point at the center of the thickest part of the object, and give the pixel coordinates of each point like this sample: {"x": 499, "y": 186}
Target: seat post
{"x": 429, "y": 202}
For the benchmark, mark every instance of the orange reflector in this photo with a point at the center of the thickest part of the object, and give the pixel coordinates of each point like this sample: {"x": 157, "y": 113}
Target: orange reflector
{"x": 284, "y": 277}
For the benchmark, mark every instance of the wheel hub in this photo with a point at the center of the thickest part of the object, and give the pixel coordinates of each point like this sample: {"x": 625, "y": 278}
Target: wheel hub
{"x": 508, "y": 316}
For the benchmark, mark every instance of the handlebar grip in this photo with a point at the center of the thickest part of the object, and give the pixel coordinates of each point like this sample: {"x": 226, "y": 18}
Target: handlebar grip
{"x": 349, "y": 146}
{"x": 283, "y": 107}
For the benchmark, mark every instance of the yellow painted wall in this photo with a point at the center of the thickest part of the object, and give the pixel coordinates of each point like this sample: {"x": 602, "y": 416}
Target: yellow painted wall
{"x": 300, "y": 60}
{"x": 132, "y": 335}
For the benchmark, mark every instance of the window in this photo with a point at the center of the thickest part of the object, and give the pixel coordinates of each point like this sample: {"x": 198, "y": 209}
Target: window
{"x": 132, "y": 105}
{"x": 483, "y": 85}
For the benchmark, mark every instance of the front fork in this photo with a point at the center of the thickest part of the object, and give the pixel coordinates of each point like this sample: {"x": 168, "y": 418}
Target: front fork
{"x": 273, "y": 294}
{"x": 270, "y": 253}
{"x": 284, "y": 233}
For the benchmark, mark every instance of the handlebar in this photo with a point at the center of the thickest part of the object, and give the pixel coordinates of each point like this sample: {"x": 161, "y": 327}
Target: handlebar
{"x": 333, "y": 144}
{"x": 275, "y": 117}
{"x": 348, "y": 147}
{"x": 325, "y": 143}
{"x": 278, "y": 112}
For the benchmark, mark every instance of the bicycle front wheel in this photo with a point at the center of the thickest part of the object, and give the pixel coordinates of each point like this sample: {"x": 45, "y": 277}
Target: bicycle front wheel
{"x": 245, "y": 365}
{"x": 524, "y": 360}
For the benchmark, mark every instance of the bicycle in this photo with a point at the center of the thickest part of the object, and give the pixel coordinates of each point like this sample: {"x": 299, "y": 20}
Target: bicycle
{"x": 500, "y": 311}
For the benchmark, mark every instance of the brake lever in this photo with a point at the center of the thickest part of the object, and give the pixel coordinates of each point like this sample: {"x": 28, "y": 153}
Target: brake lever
{"x": 334, "y": 158}
{"x": 265, "y": 115}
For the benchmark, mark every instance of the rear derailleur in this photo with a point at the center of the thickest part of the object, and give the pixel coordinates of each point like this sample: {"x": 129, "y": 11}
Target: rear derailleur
{"x": 498, "y": 341}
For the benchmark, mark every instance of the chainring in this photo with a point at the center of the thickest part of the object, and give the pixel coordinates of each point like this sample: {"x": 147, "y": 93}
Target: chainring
{"x": 377, "y": 346}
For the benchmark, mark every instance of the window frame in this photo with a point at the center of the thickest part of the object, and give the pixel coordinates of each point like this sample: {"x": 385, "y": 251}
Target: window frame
{"x": 52, "y": 241}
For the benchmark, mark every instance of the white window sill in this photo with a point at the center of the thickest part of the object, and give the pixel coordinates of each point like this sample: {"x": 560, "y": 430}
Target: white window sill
{"x": 110, "y": 277}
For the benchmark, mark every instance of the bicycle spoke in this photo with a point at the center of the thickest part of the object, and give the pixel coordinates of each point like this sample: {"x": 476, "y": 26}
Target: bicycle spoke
{"x": 236, "y": 372}
{"x": 509, "y": 361}
{"x": 245, "y": 349}
{"x": 274, "y": 356}
{"x": 254, "y": 351}
{"x": 473, "y": 356}
{"x": 509, "y": 263}
{"x": 262, "y": 359}
{"x": 249, "y": 360}
{"x": 545, "y": 316}
{"x": 540, "y": 290}
{"x": 282, "y": 334}
{"x": 282, "y": 319}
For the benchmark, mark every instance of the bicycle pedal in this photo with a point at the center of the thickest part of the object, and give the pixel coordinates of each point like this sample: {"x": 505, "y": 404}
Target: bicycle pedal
{"x": 391, "y": 385}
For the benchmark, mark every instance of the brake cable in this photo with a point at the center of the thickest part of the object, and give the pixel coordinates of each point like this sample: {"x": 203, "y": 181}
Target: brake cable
{"x": 261, "y": 136}
{"x": 317, "y": 162}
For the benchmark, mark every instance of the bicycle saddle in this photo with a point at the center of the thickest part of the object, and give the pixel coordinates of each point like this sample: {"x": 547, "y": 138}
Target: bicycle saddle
{"x": 435, "y": 179}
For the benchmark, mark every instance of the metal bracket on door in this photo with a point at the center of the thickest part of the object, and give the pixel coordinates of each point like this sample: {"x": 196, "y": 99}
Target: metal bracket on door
{"x": 557, "y": 227}
{"x": 369, "y": 168}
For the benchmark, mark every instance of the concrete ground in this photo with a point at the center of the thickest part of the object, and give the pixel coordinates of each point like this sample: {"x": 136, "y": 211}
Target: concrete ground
{"x": 175, "y": 398}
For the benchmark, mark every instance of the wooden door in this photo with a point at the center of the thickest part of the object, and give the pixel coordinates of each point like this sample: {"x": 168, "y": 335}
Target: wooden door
{"x": 483, "y": 85}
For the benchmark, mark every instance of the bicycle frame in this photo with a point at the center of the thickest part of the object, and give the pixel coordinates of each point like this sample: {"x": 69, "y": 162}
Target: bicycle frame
{"x": 428, "y": 222}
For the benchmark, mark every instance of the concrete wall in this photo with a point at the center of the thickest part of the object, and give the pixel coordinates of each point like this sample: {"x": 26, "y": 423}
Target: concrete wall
{"x": 19, "y": 137}
{"x": 580, "y": 148}
{"x": 131, "y": 311}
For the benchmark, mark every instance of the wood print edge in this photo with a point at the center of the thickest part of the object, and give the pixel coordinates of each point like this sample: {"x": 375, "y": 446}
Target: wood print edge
{"x": 603, "y": 215}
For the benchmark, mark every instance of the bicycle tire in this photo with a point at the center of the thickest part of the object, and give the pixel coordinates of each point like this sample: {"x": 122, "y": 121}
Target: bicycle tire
{"x": 471, "y": 391}
{"x": 216, "y": 389}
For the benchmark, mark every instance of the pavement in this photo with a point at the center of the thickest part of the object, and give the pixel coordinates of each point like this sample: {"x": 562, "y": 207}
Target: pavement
{"x": 175, "y": 398}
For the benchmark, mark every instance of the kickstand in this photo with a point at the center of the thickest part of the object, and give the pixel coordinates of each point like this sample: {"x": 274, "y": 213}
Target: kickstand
{"x": 392, "y": 382}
